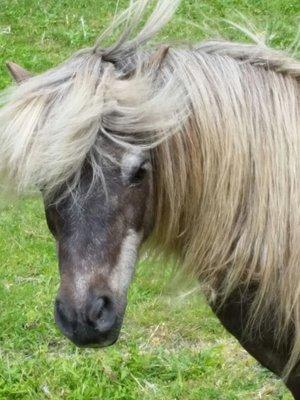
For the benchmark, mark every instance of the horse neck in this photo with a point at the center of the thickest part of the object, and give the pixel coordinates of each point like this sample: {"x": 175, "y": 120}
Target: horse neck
{"x": 219, "y": 176}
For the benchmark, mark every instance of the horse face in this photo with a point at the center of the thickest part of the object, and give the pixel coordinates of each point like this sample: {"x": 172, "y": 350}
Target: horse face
{"x": 98, "y": 236}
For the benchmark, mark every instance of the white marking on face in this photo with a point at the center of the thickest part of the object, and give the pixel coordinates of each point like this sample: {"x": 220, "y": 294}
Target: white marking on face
{"x": 82, "y": 283}
{"x": 122, "y": 273}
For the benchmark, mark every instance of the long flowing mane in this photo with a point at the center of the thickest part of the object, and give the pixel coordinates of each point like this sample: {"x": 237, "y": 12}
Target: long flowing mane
{"x": 222, "y": 122}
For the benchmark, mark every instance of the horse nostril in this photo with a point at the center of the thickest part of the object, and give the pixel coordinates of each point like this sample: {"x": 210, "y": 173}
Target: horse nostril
{"x": 63, "y": 316}
{"x": 102, "y": 315}
{"x": 59, "y": 308}
{"x": 97, "y": 308}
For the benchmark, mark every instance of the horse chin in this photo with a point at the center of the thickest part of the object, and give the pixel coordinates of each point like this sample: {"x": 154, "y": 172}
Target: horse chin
{"x": 99, "y": 345}
{"x": 99, "y": 342}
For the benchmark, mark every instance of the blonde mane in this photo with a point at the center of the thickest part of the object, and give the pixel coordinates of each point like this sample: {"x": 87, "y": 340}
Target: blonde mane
{"x": 222, "y": 121}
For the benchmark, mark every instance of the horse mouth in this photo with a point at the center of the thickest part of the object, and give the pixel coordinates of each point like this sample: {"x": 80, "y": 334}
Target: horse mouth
{"x": 84, "y": 337}
{"x": 102, "y": 343}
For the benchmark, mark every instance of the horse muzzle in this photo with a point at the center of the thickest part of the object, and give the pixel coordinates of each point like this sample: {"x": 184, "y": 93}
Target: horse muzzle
{"x": 96, "y": 325}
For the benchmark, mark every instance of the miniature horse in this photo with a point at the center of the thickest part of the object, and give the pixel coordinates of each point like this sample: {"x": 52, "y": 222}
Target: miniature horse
{"x": 195, "y": 150}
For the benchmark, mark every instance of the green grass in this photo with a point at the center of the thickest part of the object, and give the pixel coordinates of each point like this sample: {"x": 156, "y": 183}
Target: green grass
{"x": 171, "y": 347}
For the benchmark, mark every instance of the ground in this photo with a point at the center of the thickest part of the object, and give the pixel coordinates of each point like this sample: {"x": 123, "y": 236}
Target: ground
{"x": 171, "y": 346}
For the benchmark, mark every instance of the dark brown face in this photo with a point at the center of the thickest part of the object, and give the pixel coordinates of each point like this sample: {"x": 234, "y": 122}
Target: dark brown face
{"x": 98, "y": 236}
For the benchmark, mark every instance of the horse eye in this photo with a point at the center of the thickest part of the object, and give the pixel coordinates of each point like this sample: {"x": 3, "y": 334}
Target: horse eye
{"x": 139, "y": 173}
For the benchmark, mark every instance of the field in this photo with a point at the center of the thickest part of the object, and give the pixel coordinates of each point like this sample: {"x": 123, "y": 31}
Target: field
{"x": 171, "y": 346}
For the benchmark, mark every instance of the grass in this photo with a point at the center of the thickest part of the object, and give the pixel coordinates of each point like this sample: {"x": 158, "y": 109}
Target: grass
{"x": 171, "y": 347}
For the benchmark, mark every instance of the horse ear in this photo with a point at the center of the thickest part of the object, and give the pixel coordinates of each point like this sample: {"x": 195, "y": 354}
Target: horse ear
{"x": 155, "y": 61}
{"x": 18, "y": 73}
{"x": 158, "y": 57}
